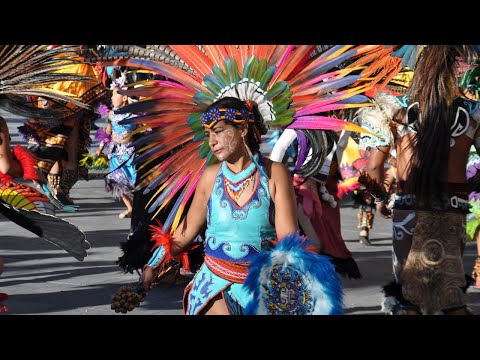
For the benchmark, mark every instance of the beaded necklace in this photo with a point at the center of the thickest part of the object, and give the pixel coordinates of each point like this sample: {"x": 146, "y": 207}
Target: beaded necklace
{"x": 235, "y": 184}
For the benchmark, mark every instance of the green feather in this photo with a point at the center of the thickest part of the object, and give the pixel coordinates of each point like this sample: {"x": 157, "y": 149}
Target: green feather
{"x": 253, "y": 68}
{"x": 197, "y": 127}
{"x": 214, "y": 79}
{"x": 276, "y": 89}
{"x": 283, "y": 101}
{"x": 212, "y": 86}
{"x": 470, "y": 79}
{"x": 246, "y": 67}
{"x": 262, "y": 66}
{"x": 204, "y": 149}
{"x": 472, "y": 227}
{"x": 194, "y": 118}
{"x": 199, "y": 136}
{"x": 231, "y": 71}
{"x": 267, "y": 76}
{"x": 222, "y": 78}
{"x": 284, "y": 118}
{"x": 203, "y": 99}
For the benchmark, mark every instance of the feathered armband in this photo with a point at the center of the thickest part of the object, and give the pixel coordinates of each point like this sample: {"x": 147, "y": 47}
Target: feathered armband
{"x": 162, "y": 250}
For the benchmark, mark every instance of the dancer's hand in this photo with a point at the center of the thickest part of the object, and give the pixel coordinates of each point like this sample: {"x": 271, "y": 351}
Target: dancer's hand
{"x": 383, "y": 210}
{"x": 148, "y": 276}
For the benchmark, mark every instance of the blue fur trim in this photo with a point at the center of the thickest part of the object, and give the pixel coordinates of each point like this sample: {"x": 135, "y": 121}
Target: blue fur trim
{"x": 315, "y": 273}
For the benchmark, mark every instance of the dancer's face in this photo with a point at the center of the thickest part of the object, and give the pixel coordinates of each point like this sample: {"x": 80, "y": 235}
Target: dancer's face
{"x": 224, "y": 140}
{"x": 118, "y": 100}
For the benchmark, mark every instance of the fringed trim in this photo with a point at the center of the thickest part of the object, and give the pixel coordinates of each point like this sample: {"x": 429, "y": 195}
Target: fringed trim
{"x": 27, "y": 161}
{"x": 117, "y": 189}
{"x": 395, "y": 304}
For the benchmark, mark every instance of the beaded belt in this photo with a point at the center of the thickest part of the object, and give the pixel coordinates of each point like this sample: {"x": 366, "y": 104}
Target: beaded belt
{"x": 447, "y": 202}
{"x": 232, "y": 271}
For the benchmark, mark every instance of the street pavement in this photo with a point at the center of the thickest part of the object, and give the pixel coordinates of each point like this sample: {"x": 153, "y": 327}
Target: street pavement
{"x": 42, "y": 279}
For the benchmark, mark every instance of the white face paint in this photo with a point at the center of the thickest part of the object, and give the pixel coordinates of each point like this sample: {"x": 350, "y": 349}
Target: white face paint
{"x": 223, "y": 139}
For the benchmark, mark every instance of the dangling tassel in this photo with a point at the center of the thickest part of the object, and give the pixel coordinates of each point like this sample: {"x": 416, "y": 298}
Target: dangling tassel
{"x": 253, "y": 160}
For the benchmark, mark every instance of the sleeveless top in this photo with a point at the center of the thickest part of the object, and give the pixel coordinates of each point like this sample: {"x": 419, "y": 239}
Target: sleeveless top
{"x": 237, "y": 233}
{"x": 121, "y": 131}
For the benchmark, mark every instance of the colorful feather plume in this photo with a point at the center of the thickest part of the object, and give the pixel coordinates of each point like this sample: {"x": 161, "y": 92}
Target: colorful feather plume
{"x": 294, "y": 86}
{"x": 31, "y": 71}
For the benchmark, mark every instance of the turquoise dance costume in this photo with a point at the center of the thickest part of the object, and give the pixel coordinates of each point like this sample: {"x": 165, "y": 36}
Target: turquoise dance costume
{"x": 236, "y": 235}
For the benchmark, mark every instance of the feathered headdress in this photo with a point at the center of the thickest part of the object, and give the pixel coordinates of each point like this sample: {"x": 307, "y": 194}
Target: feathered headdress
{"x": 379, "y": 117}
{"x": 293, "y": 86}
{"x": 29, "y": 70}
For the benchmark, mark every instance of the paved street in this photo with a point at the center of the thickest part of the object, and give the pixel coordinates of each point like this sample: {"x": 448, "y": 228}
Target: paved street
{"x": 42, "y": 279}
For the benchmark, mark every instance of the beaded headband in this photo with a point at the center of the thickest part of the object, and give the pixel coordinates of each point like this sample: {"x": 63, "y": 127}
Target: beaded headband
{"x": 211, "y": 117}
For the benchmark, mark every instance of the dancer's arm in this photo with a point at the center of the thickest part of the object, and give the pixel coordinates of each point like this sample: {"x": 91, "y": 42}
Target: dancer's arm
{"x": 376, "y": 170}
{"x": 187, "y": 230}
{"x": 286, "y": 221}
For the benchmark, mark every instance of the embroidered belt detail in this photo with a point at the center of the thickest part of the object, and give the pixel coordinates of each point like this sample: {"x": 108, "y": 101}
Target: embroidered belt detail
{"x": 446, "y": 203}
{"x": 232, "y": 271}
